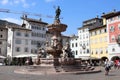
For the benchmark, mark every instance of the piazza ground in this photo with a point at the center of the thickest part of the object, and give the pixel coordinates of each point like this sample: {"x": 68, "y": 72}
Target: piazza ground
{"x": 7, "y": 73}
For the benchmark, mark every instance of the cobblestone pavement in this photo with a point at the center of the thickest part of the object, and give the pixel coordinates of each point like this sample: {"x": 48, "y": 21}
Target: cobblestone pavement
{"x": 7, "y": 73}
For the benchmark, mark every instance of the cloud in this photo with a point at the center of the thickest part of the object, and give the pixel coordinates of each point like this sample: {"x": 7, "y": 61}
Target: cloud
{"x": 49, "y": 0}
{"x": 4, "y": 2}
{"x": 33, "y": 4}
{"x": 13, "y": 20}
{"x": 23, "y": 3}
{"x": 16, "y": 1}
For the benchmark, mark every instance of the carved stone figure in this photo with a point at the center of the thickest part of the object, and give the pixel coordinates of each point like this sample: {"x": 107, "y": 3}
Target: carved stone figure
{"x": 67, "y": 51}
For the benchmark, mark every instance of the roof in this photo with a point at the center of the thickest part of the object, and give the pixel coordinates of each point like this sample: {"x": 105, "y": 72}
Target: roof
{"x": 34, "y": 20}
{"x": 83, "y": 27}
{"x": 111, "y": 14}
{"x": 4, "y": 23}
{"x": 92, "y": 19}
{"x": 97, "y": 27}
{"x": 73, "y": 36}
{"x": 22, "y": 28}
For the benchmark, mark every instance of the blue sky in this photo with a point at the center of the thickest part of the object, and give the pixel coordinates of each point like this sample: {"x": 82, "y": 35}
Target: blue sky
{"x": 74, "y": 12}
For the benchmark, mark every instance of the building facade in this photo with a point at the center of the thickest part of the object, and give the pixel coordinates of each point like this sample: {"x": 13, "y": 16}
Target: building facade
{"x": 83, "y": 42}
{"x": 19, "y": 40}
{"x": 38, "y": 32}
{"x": 113, "y": 27}
{"x": 98, "y": 43}
{"x": 3, "y": 38}
{"x": 74, "y": 45}
{"x": 83, "y": 39}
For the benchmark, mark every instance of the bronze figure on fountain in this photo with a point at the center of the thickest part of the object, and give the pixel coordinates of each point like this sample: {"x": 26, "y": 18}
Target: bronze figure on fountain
{"x": 58, "y": 11}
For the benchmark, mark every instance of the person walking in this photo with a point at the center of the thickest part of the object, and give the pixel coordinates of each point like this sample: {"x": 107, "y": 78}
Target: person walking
{"x": 107, "y": 67}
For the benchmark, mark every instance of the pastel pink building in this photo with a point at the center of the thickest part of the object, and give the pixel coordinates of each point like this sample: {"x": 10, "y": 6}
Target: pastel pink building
{"x": 113, "y": 29}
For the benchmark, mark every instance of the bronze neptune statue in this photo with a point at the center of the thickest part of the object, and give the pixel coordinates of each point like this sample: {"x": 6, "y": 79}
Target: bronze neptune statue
{"x": 58, "y": 11}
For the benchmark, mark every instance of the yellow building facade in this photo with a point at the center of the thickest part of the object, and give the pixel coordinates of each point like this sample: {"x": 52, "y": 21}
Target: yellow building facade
{"x": 98, "y": 42}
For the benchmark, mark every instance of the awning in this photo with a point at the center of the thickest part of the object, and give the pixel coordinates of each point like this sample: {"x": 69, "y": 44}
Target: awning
{"x": 84, "y": 57}
{"x": 88, "y": 58}
{"x": 25, "y": 55}
{"x": 2, "y": 57}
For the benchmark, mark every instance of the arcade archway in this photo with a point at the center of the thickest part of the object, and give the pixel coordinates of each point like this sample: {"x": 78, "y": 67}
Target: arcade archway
{"x": 115, "y": 58}
{"x": 104, "y": 58}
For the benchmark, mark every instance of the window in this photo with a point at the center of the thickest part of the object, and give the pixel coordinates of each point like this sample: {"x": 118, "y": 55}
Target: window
{"x": 76, "y": 53}
{"x": 119, "y": 17}
{"x": 35, "y": 51}
{"x": 17, "y": 49}
{"x": 43, "y": 29}
{"x": 18, "y": 41}
{"x": 111, "y": 19}
{"x": 26, "y": 34}
{"x": 96, "y": 52}
{"x": 0, "y": 50}
{"x": 80, "y": 52}
{"x": 92, "y": 52}
{"x": 118, "y": 26}
{"x": 80, "y": 44}
{"x": 95, "y": 33}
{"x": 72, "y": 45}
{"x": 0, "y": 42}
{"x": 83, "y": 30}
{"x": 112, "y": 29}
{"x": 105, "y": 30}
{"x": 1, "y": 36}
{"x": 100, "y": 31}
{"x": 31, "y": 50}
{"x": 26, "y": 42}
{"x": 86, "y": 36}
{"x": 84, "y": 52}
{"x": 26, "y": 49}
{"x": 105, "y": 39}
{"x": 76, "y": 44}
{"x": 113, "y": 38}
{"x": 113, "y": 50}
{"x": 106, "y": 51}
{"x": 87, "y": 50}
{"x": 101, "y": 52}
{"x": 18, "y": 33}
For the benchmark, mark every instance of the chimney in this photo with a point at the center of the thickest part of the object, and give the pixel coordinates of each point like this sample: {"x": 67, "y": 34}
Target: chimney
{"x": 103, "y": 13}
{"x": 114, "y": 10}
{"x": 40, "y": 19}
{"x": 24, "y": 16}
{"x": 97, "y": 16}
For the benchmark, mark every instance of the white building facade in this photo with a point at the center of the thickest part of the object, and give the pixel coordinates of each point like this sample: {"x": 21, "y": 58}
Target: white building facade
{"x": 3, "y": 38}
{"x": 38, "y": 33}
{"x": 74, "y": 45}
{"x": 19, "y": 40}
{"x": 83, "y": 42}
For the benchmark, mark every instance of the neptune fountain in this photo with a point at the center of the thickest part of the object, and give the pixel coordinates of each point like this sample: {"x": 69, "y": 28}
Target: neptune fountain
{"x": 62, "y": 60}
